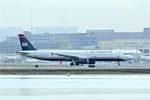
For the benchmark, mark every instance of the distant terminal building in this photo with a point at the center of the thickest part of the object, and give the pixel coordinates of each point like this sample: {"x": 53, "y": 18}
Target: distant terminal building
{"x": 128, "y": 40}
{"x": 141, "y": 44}
{"x": 40, "y": 36}
{"x": 61, "y": 40}
{"x": 92, "y": 39}
{"x": 41, "y": 30}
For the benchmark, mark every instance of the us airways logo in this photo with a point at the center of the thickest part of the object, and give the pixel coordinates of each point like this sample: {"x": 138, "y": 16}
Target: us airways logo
{"x": 24, "y": 44}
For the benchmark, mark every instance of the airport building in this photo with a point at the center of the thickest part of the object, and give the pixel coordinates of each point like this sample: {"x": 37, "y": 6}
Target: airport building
{"x": 46, "y": 38}
{"x": 92, "y": 39}
{"x": 143, "y": 45}
{"x": 41, "y": 30}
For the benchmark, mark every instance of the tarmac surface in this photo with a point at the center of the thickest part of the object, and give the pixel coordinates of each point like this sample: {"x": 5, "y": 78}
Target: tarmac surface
{"x": 67, "y": 66}
{"x": 66, "y": 69}
{"x": 75, "y": 87}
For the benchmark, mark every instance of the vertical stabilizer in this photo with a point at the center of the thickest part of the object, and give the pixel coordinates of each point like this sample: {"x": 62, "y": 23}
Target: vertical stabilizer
{"x": 25, "y": 44}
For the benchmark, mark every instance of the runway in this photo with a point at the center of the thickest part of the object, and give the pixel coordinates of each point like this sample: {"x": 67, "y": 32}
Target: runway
{"x": 75, "y": 87}
{"x": 67, "y": 66}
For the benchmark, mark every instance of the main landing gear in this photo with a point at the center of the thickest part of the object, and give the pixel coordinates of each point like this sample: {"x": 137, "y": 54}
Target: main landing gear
{"x": 36, "y": 66}
{"x": 77, "y": 64}
{"x": 72, "y": 64}
{"x": 91, "y": 66}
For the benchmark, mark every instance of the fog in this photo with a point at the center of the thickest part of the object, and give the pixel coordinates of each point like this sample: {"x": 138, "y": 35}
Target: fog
{"x": 121, "y": 15}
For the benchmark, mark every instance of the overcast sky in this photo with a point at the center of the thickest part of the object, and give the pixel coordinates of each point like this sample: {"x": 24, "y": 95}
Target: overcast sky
{"x": 121, "y": 15}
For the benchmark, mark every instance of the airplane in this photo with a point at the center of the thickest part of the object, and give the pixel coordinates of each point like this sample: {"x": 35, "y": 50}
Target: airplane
{"x": 76, "y": 57}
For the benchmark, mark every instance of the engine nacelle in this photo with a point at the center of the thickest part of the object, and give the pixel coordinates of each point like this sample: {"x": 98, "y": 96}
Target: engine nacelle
{"x": 85, "y": 61}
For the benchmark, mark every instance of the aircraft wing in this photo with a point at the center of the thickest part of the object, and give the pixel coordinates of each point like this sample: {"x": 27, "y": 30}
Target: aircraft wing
{"x": 67, "y": 56}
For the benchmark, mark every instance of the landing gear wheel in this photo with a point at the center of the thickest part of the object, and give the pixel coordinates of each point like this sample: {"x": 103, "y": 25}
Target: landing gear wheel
{"x": 130, "y": 62}
{"x": 36, "y": 66}
{"x": 77, "y": 64}
{"x": 72, "y": 64}
{"x": 91, "y": 66}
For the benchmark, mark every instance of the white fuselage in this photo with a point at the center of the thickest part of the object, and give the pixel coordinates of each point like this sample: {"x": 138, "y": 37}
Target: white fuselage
{"x": 58, "y": 55}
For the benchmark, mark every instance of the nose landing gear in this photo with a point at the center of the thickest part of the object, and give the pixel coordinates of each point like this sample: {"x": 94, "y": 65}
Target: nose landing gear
{"x": 119, "y": 63}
